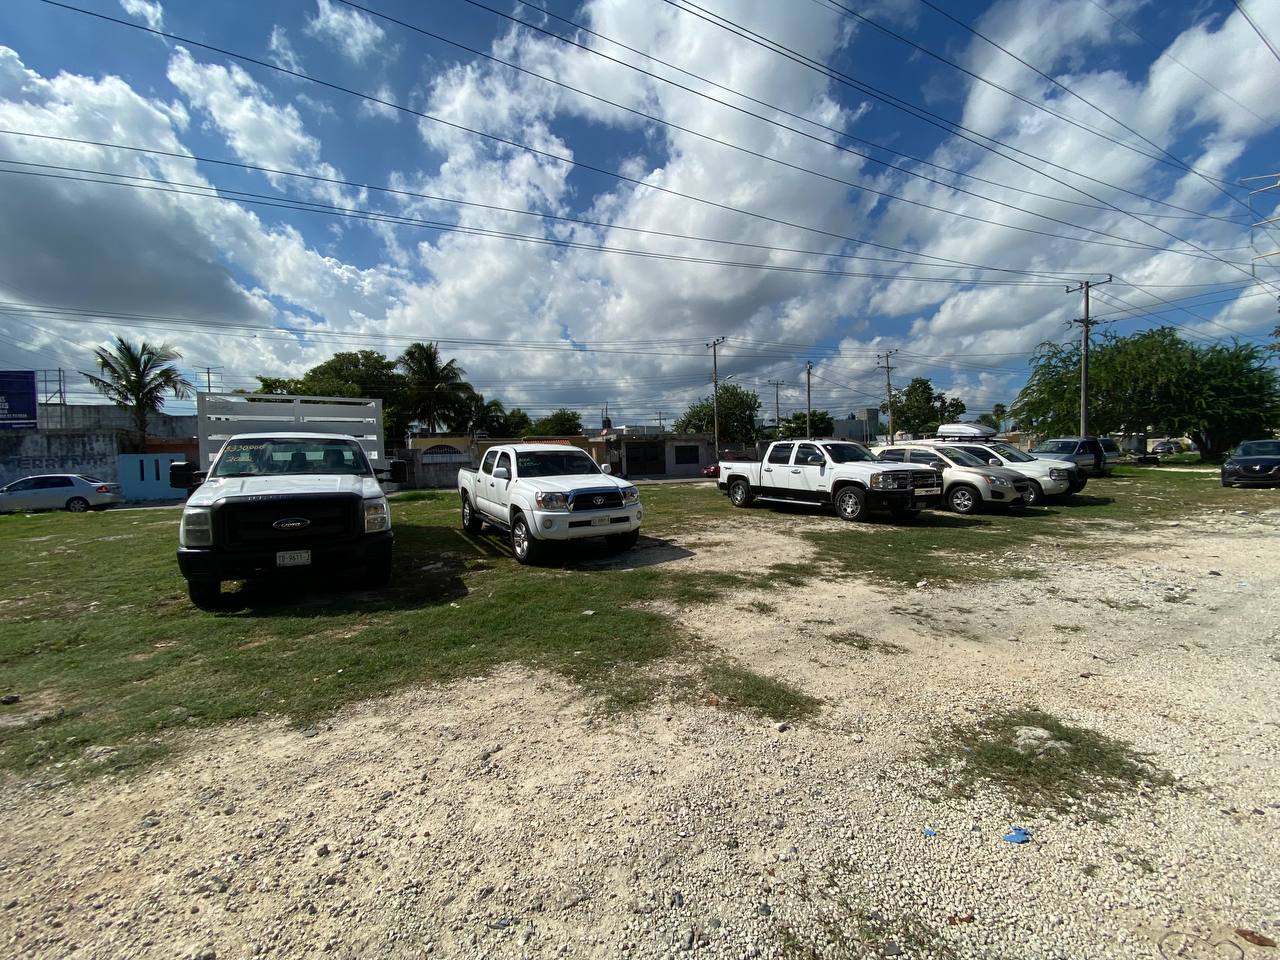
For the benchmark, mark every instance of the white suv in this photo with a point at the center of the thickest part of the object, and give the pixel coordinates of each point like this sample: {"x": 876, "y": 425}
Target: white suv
{"x": 969, "y": 482}
{"x": 1049, "y": 477}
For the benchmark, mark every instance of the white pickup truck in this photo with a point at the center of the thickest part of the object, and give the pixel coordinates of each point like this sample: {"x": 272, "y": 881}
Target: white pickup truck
{"x": 540, "y": 492}
{"x": 835, "y": 473}
{"x": 275, "y": 501}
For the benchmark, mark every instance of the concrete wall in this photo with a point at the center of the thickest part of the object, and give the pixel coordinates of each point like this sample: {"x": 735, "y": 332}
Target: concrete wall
{"x": 107, "y": 416}
{"x": 27, "y": 452}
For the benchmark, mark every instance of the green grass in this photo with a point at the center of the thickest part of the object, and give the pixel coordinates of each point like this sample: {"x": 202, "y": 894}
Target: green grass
{"x": 100, "y": 641}
{"x": 1079, "y": 778}
{"x": 735, "y": 686}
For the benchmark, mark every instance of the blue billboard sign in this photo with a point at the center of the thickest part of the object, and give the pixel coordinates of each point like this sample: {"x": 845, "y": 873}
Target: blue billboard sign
{"x": 17, "y": 399}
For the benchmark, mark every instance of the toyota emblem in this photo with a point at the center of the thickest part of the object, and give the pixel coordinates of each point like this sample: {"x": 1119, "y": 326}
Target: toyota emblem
{"x": 292, "y": 523}
{"x": 598, "y": 501}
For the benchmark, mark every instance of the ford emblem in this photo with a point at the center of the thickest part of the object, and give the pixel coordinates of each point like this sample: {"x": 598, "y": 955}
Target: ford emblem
{"x": 292, "y": 523}
{"x": 598, "y": 501}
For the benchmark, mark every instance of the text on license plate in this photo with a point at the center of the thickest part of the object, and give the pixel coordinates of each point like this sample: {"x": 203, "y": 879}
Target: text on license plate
{"x": 600, "y": 521}
{"x": 293, "y": 558}
{"x": 928, "y": 491}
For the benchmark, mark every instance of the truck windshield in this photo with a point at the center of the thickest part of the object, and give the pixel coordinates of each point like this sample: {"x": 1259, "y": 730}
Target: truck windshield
{"x": 1010, "y": 452}
{"x": 269, "y": 458}
{"x": 553, "y": 463}
{"x": 848, "y": 452}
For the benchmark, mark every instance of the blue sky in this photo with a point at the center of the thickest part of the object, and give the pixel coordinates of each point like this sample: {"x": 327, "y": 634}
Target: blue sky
{"x": 542, "y": 325}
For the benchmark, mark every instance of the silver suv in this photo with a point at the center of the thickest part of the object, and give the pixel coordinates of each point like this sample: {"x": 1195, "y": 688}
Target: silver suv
{"x": 968, "y": 482}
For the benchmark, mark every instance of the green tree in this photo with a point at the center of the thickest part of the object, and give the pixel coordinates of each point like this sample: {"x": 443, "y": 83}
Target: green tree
{"x": 137, "y": 376}
{"x": 918, "y": 408}
{"x": 478, "y": 415}
{"x": 820, "y": 424}
{"x": 436, "y": 392}
{"x": 561, "y": 423}
{"x": 738, "y": 410}
{"x": 999, "y": 413}
{"x": 516, "y": 423}
{"x": 1155, "y": 380}
{"x": 360, "y": 373}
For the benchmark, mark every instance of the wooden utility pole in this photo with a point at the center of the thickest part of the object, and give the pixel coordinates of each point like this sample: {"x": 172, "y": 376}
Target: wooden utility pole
{"x": 715, "y": 393}
{"x": 888, "y": 387}
{"x": 1085, "y": 323}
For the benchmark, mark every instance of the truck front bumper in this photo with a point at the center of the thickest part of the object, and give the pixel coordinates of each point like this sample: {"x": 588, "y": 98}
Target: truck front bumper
{"x": 901, "y": 500}
{"x": 205, "y": 563}
{"x": 562, "y": 525}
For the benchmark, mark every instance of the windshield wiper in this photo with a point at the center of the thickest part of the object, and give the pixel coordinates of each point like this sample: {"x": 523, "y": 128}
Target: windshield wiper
{"x": 228, "y": 476}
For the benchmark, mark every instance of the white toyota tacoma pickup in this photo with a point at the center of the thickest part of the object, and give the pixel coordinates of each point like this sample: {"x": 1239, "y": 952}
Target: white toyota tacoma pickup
{"x": 835, "y": 473}
{"x": 540, "y": 492}
{"x": 269, "y": 502}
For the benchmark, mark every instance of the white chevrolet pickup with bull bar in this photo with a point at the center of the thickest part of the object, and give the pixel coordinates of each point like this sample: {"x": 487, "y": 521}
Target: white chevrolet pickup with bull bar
{"x": 833, "y": 473}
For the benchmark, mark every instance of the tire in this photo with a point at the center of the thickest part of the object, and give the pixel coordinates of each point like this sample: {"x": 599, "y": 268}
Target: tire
{"x": 740, "y": 493}
{"x": 471, "y": 522}
{"x": 524, "y": 546}
{"x": 1080, "y": 484}
{"x": 963, "y": 500}
{"x": 1034, "y": 495}
{"x": 851, "y": 503}
{"x": 205, "y": 594}
{"x": 1226, "y": 482}
{"x": 78, "y": 505}
{"x": 624, "y": 541}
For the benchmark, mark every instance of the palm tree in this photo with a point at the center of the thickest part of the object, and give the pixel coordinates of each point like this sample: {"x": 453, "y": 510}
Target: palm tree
{"x": 477, "y": 415}
{"x": 436, "y": 393}
{"x": 136, "y": 377}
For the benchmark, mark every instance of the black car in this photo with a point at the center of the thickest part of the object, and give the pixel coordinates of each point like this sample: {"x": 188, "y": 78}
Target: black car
{"x": 1254, "y": 463}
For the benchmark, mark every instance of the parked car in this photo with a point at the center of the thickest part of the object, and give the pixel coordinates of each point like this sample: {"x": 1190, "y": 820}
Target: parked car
{"x": 1049, "y": 476}
{"x": 836, "y": 473}
{"x": 968, "y": 483}
{"x": 538, "y": 493}
{"x": 1253, "y": 463}
{"x": 712, "y": 471}
{"x": 1167, "y": 447}
{"x": 1087, "y": 453}
{"x": 59, "y": 491}
{"x": 276, "y": 501}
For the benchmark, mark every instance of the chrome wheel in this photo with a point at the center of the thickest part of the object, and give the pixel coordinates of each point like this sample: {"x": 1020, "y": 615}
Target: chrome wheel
{"x": 963, "y": 500}
{"x": 738, "y": 494}
{"x": 466, "y": 513}
{"x": 1033, "y": 495}
{"x": 849, "y": 503}
{"x": 520, "y": 540}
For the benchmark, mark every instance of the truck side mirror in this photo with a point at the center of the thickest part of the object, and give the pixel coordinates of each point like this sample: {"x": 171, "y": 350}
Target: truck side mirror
{"x": 501, "y": 473}
{"x": 606, "y": 468}
{"x": 398, "y": 471}
{"x": 184, "y": 476}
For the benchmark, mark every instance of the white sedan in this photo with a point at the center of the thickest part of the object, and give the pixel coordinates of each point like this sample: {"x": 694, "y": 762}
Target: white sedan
{"x": 59, "y": 491}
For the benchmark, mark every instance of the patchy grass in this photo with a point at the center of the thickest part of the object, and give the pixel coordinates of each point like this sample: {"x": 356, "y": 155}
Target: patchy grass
{"x": 761, "y": 607}
{"x": 94, "y": 620}
{"x": 734, "y": 686}
{"x": 1079, "y": 776}
{"x": 860, "y": 641}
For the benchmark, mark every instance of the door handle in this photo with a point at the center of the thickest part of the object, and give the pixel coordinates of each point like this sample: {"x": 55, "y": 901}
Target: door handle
{"x": 796, "y": 470}
{"x": 768, "y": 469}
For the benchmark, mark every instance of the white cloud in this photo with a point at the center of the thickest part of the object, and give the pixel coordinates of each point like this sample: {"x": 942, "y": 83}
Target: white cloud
{"x": 353, "y": 33}
{"x": 149, "y": 11}
{"x": 282, "y": 52}
{"x": 382, "y": 111}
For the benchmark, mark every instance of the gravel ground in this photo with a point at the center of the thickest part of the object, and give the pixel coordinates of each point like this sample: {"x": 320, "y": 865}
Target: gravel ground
{"x": 501, "y": 817}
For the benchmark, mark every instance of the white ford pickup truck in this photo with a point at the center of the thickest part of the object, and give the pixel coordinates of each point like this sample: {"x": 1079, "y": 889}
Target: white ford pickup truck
{"x": 835, "y": 473}
{"x": 275, "y": 501}
{"x": 539, "y": 492}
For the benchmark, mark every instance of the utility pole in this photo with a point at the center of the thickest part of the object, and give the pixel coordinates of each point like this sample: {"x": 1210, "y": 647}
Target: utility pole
{"x": 808, "y": 400}
{"x": 661, "y": 429}
{"x": 208, "y": 377}
{"x": 1085, "y": 323}
{"x": 888, "y": 387}
{"x": 777, "y": 406}
{"x": 715, "y": 393}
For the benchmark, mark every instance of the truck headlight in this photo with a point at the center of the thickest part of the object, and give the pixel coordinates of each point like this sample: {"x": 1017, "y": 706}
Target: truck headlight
{"x": 630, "y": 495}
{"x": 889, "y": 481}
{"x": 1059, "y": 475}
{"x": 377, "y": 515}
{"x": 196, "y": 528}
{"x": 551, "y": 501}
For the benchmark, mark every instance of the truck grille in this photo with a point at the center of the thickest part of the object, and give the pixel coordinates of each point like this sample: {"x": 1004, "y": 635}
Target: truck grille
{"x": 251, "y": 523}
{"x": 581, "y": 500}
{"x": 921, "y": 479}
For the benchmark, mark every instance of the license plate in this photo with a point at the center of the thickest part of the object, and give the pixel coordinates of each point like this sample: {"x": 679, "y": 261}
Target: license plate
{"x": 928, "y": 491}
{"x": 293, "y": 558}
{"x": 600, "y": 521}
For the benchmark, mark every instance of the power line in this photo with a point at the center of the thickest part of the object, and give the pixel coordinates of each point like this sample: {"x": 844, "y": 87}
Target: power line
{"x": 1257, "y": 29}
{"x": 782, "y": 110}
{"x": 354, "y": 213}
{"x": 884, "y": 194}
